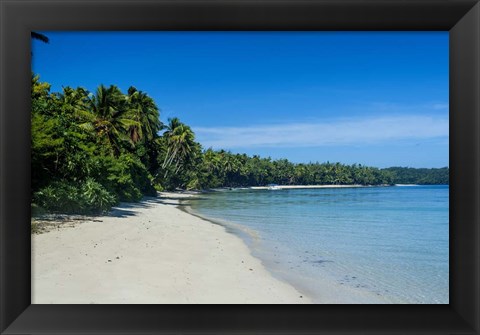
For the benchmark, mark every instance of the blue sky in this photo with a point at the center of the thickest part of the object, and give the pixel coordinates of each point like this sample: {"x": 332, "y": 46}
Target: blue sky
{"x": 374, "y": 98}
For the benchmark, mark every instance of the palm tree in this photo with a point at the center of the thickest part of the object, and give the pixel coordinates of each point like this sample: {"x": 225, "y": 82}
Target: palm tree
{"x": 40, "y": 37}
{"x": 142, "y": 109}
{"x": 75, "y": 101}
{"x": 212, "y": 161}
{"x": 112, "y": 121}
{"x": 180, "y": 142}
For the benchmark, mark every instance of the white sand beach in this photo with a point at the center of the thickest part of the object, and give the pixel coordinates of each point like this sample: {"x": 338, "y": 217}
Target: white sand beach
{"x": 150, "y": 253}
{"x": 286, "y": 187}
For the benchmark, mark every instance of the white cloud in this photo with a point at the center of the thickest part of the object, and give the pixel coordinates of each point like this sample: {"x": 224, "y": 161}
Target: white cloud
{"x": 316, "y": 134}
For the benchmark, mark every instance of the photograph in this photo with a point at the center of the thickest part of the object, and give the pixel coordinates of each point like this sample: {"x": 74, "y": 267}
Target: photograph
{"x": 240, "y": 167}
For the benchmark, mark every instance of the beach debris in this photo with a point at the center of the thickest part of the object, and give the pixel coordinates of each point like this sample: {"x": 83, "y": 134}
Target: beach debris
{"x": 109, "y": 260}
{"x": 251, "y": 269}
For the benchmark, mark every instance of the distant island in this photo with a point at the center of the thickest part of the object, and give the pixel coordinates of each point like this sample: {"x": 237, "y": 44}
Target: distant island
{"x": 92, "y": 150}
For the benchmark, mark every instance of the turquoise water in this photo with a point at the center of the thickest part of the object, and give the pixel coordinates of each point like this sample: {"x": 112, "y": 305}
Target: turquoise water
{"x": 388, "y": 244}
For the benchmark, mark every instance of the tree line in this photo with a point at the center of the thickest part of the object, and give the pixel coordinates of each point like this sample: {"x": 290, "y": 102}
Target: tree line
{"x": 90, "y": 150}
{"x": 422, "y": 176}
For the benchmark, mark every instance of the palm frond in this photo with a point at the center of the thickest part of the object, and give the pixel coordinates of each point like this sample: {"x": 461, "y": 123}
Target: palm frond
{"x": 40, "y": 37}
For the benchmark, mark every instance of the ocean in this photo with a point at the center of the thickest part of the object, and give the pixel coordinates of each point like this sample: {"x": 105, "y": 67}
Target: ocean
{"x": 345, "y": 245}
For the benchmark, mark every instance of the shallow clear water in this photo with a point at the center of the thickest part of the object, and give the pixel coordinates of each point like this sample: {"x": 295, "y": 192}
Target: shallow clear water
{"x": 390, "y": 243}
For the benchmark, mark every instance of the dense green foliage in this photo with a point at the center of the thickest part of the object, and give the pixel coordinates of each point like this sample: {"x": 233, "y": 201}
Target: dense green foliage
{"x": 86, "y": 197}
{"x": 403, "y": 175}
{"x": 91, "y": 150}
{"x": 220, "y": 168}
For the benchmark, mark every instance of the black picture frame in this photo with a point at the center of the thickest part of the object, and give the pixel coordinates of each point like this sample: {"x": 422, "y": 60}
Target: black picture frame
{"x": 460, "y": 17}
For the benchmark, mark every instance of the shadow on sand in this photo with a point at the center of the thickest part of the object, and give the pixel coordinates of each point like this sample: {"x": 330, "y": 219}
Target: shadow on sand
{"x": 127, "y": 209}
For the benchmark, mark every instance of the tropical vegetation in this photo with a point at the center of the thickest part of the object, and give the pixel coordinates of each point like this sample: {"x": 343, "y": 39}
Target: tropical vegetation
{"x": 406, "y": 175}
{"x": 91, "y": 150}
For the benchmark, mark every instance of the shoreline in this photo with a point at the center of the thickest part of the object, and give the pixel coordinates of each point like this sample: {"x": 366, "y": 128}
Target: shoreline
{"x": 286, "y": 187}
{"x": 151, "y": 252}
{"x": 324, "y": 290}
